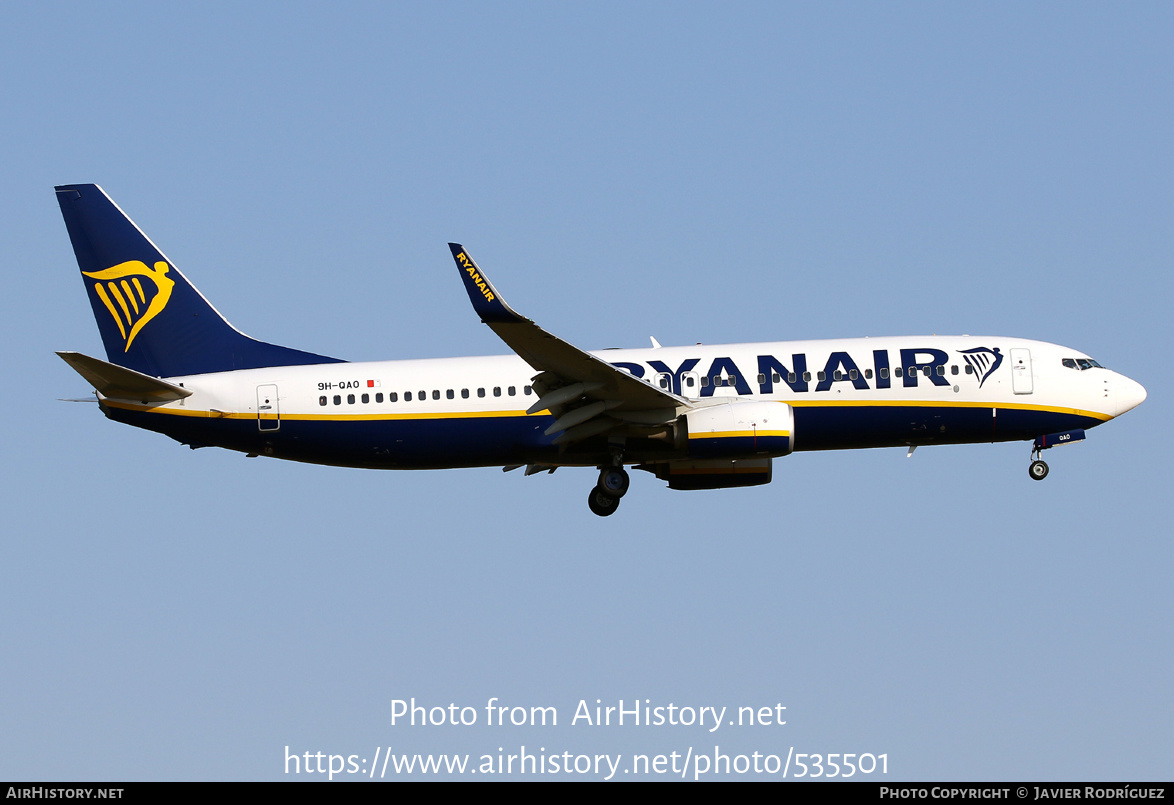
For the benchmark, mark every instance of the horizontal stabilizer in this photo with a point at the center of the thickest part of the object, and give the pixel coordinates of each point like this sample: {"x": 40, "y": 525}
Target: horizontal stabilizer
{"x": 120, "y": 383}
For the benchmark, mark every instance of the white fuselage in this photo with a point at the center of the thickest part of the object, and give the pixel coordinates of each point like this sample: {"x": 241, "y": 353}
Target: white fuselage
{"x": 862, "y": 392}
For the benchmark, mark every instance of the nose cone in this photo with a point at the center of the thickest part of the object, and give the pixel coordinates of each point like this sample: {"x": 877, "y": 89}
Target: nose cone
{"x": 1128, "y": 394}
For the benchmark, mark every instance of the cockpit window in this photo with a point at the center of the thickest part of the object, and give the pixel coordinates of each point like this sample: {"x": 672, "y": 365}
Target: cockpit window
{"x": 1081, "y": 364}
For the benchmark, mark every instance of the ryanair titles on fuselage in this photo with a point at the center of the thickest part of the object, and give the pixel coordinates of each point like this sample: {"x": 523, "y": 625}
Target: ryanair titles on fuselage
{"x": 915, "y": 366}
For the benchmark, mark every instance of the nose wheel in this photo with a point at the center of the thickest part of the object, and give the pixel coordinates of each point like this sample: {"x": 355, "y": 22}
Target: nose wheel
{"x": 612, "y": 485}
{"x": 1039, "y": 468}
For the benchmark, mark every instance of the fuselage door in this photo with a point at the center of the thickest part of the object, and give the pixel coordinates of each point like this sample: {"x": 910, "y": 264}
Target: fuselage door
{"x": 1021, "y": 382}
{"x": 690, "y": 385}
{"x": 268, "y": 413}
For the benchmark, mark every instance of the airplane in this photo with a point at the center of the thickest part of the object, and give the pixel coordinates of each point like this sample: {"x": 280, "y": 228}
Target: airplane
{"x": 697, "y": 417}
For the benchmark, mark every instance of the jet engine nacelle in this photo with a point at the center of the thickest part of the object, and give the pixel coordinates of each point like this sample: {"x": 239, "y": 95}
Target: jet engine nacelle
{"x": 739, "y": 430}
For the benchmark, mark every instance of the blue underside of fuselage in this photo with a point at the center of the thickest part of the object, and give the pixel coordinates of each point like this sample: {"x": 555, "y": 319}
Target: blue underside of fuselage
{"x": 435, "y": 443}
{"x": 850, "y": 427}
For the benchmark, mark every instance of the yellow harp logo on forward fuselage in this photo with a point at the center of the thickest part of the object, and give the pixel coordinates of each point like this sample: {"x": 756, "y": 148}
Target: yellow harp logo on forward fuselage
{"x": 121, "y": 290}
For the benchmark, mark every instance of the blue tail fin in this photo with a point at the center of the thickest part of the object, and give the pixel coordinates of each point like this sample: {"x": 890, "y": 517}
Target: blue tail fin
{"x": 151, "y": 318}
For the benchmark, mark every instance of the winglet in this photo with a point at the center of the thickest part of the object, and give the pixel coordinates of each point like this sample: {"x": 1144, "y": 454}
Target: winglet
{"x": 577, "y": 373}
{"x": 485, "y": 298}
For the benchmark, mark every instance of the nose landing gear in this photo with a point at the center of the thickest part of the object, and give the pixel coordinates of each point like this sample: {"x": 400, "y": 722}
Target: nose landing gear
{"x": 1038, "y": 469}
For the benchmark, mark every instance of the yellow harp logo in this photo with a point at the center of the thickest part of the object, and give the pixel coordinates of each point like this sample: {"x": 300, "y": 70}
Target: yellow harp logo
{"x": 121, "y": 289}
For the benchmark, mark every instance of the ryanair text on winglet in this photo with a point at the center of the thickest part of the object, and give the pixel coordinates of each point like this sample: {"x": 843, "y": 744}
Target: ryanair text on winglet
{"x": 471, "y": 270}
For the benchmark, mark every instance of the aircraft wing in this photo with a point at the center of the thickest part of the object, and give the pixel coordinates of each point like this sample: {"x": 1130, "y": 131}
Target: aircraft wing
{"x": 588, "y": 396}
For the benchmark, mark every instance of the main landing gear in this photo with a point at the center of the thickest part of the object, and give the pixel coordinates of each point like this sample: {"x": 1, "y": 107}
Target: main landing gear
{"x": 612, "y": 485}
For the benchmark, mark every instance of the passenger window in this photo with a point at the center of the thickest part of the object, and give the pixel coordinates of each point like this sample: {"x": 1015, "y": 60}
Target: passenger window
{"x": 940, "y": 371}
{"x": 322, "y": 400}
{"x": 436, "y": 394}
{"x": 897, "y": 372}
{"x": 954, "y": 369}
{"x": 407, "y": 396}
{"x": 450, "y": 394}
{"x": 526, "y": 390}
{"x": 481, "y": 392}
{"x": 884, "y": 373}
{"x": 379, "y": 397}
{"x": 762, "y": 379}
{"x": 969, "y": 369}
{"x": 837, "y": 375}
{"x": 337, "y": 400}
{"x": 705, "y": 382}
{"x": 775, "y": 377}
{"x": 464, "y": 394}
{"x": 807, "y": 377}
{"x": 497, "y": 391}
{"x": 366, "y": 398}
{"x": 822, "y": 376}
{"x": 790, "y": 377}
{"x": 512, "y": 391}
{"x": 392, "y": 397}
{"x": 350, "y": 399}
{"x": 868, "y": 374}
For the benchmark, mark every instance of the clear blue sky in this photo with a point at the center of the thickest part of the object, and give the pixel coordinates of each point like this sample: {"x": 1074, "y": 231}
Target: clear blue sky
{"x": 756, "y": 172}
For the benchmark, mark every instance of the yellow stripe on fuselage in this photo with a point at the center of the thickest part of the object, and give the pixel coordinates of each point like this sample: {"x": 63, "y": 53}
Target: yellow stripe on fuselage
{"x": 736, "y": 434}
{"x": 928, "y": 404}
{"x": 369, "y": 417}
{"x": 155, "y": 409}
